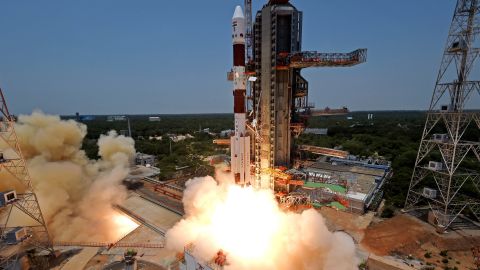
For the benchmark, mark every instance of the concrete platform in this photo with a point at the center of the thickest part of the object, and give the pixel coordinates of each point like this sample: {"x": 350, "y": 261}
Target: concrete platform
{"x": 152, "y": 213}
{"x": 143, "y": 234}
{"x": 80, "y": 260}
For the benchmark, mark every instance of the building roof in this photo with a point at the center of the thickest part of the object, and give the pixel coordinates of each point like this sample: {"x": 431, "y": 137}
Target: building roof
{"x": 364, "y": 184}
{"x": 334, "y": 188}
{"x": 357, "y": 196}
{"x": 368, "y": 171}
{"x": 364, "y": 178}
{"x": 347, "y": 168}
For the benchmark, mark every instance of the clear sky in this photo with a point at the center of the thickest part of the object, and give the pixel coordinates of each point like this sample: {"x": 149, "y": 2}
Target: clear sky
{"x": 150, "y": 56}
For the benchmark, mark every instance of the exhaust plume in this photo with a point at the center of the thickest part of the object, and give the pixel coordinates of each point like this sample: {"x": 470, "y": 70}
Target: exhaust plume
{"x": 76, "y": 194}
{"x": 254, "y": 232}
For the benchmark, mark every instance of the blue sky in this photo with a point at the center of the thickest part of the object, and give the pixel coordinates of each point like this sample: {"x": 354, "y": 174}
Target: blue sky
{"x": 150, "y": 56}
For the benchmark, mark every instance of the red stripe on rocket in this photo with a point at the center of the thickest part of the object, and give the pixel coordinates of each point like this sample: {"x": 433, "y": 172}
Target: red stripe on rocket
{"x": 240, "y": 142}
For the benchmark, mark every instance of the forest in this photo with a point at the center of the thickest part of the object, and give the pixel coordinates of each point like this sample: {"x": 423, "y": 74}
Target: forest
{"x": 394, "y": 135}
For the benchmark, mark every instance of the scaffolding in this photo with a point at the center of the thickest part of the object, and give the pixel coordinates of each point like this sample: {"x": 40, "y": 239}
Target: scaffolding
{"x": 280, "y": 94}
{"x": 317, "y": 59}
{"x": 15, "y": 164}
{"x": 330, "y": 112}
{"x": 294, "y": 200}
{"x": 323, "y": 151}
{"x": 441, "y": 154}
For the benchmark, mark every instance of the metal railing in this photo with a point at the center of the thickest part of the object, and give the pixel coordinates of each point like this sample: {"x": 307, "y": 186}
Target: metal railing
{"x": 316, "y": 59}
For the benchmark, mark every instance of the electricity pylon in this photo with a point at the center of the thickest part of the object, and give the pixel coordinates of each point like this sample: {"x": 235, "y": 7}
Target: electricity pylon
{"x": 13, "y": 162}
{"x": 439, "y": 179}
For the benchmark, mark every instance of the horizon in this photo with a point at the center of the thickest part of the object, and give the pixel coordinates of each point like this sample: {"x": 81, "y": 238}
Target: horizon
{"x": 229, "y": 114}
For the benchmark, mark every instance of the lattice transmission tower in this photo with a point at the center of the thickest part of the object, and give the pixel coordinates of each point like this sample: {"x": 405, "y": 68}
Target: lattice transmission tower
{"x": 12, "y": 161}
{"x": 446, "y": 169}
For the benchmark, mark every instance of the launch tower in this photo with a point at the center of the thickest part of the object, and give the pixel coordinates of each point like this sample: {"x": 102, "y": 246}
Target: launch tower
{"x": 279, "y": 93}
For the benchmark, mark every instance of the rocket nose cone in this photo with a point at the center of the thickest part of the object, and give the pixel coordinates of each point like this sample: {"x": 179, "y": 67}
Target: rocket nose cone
{"x": 238, "y": 12}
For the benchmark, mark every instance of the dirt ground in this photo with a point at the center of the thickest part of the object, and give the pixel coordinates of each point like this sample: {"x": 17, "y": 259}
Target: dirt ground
{"x": 406, "y": 239}
{"x": 406, "y": 236}
{"x": 352, "y": 224}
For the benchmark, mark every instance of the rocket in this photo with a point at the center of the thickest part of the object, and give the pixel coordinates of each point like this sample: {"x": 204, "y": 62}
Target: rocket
{"x": 240, "y": 141}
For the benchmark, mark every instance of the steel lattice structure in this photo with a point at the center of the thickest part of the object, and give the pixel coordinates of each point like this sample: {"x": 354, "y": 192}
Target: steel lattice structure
{"x": 280, "y": 92}
{"x": 248, "y": 27}
{"x": 15, "y": 164}
{"x": 294, "y": 199}
{"x": 439, "y": 176}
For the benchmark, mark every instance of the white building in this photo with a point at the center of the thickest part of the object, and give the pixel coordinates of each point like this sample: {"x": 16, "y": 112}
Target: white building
{"x": 154, "y": 119}
{"x": 113, "y": 118}
{"x": 155, "y": 138}
{"x": 144, "y": 159}
{"x": 178, "y": 138}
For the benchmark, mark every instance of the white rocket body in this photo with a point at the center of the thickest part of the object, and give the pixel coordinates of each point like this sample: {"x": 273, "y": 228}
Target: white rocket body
{"x": 240, "y": 142}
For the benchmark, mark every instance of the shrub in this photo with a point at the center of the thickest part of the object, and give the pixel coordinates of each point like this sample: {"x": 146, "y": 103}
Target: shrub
{"x": 388, "y": 212}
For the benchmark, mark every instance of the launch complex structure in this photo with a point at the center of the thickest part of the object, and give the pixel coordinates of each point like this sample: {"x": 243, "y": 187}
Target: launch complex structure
{"x": 277, "y": 107}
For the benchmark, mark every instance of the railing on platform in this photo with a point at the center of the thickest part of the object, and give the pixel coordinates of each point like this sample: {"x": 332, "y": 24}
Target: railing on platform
{"x": 316, "y": 59}
{"x": 108, "y": 245}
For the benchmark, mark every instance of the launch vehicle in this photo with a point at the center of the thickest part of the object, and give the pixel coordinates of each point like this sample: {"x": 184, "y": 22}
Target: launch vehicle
{"x": 240, "y": 142}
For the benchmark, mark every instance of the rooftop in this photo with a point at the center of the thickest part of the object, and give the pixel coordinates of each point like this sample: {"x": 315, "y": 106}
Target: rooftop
{"x": 334, "y": 188}
{"x": 363, "y": 178}
{"x": 346, "y": 168}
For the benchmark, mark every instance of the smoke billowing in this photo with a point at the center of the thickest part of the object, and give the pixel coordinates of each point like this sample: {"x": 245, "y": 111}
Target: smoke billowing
{"x": 254, "y": 233}
{"x": 76, "y": 194}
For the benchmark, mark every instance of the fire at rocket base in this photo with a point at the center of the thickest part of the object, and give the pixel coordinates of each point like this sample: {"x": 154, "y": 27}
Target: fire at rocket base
{"x": 240, "y": 142}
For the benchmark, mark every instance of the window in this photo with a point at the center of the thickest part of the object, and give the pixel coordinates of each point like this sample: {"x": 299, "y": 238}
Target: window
{"x": 10, "y": 196}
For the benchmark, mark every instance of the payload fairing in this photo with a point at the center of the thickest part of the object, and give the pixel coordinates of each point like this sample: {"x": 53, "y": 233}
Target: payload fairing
{"x": 240, "y": 142}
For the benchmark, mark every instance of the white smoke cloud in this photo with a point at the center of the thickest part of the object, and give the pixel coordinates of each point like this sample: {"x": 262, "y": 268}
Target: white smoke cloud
{"x": 76, "y": 194}
{"x": 254, "y": 232}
